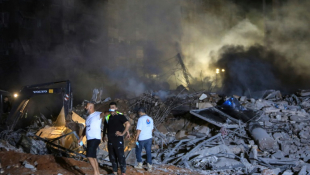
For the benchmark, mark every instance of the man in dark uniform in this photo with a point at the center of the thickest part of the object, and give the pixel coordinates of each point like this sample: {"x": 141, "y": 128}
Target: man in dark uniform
{"x": 114, "y": 126}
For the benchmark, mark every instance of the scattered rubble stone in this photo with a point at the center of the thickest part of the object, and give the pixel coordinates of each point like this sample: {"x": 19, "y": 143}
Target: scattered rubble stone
{"x": 243, "y": 135}
{"x": 28, "y": 165}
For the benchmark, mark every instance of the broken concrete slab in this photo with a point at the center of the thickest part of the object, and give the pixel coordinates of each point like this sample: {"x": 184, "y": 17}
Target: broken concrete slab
{"x": 303, "y": 170}
{"x": 304, "y": 93}
{"x": 243, "y": 98}
{"x": 203, "y": 96}
{"x": 227, "y": 163}
{"x": 278, "y": 155}
{"x": 204, "y": 130}
{"x": 271, "y": 171}
{"x": 204, "y": 105}
{"x": 162, "y": 128}
{"x": 180, "y": 135}
{"x": 272, "y": 95}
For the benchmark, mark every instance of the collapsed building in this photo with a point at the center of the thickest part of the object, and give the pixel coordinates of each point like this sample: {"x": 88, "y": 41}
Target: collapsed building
{"x": 200, "y": 131}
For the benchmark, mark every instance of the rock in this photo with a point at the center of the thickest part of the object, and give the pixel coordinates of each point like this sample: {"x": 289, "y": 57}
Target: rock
{"x": 191, "y": 137}
{"x": 243, "y": 98}
{"x": 303, "y": 170}
{"x": 278, "y": 155}
{"x": 176, "y": 125}
{"x": 203, "y": 96}
{"x": 204, "y": 105}
{"x": 271, "y": 109}
{"x": 304, "y": 93}
{"x": 259, "y": 104}
{"x": 305, "y": 104}
{"x": 271, "y": 172}
{"x": 25, "y": 143}
{"x": 49, "y": 121}
{"x": 236, "y": 149}
{"x": 27, "y": 165}
{"x": 288, "y": 172}
{"x": 285, "y": 148}
{"x": 204, "y": 130}
{"x": 304, "y": 134}
{"x": 236, "y": 96}
{"x": 273, "y": 95}
{"x": 180, "y": 135}
{"x": 154, "y": 147}
{"x": 162, "y": 128}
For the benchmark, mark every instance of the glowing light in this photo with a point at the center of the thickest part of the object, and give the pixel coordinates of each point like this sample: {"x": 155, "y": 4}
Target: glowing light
{"x": 217, "y": 71}
{"x": 15, "y": 95}
{"x": 223, "y": 70}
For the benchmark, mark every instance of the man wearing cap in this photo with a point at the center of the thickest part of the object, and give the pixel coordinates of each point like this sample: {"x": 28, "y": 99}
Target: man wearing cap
{"x": 145, "y": 128}
{"x": 114, "y": 126}
{"x": 92, "y": 131}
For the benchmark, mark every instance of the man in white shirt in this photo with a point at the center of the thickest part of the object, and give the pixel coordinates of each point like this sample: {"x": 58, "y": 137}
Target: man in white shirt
{"x": 92, "y": 131}
{"x": 145, "y": 128}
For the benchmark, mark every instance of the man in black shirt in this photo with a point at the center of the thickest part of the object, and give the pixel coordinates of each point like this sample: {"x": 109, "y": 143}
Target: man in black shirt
{"x": 114, "y": 125}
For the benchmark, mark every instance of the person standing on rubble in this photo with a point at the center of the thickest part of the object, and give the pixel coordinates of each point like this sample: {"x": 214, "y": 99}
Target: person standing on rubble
{"x": 116, "y": 126}
{"x": 92, "y": 131}
{"x": 145, "y": 128}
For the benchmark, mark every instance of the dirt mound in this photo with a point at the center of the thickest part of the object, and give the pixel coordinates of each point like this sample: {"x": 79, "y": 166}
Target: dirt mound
{"x": 13, "y": 163}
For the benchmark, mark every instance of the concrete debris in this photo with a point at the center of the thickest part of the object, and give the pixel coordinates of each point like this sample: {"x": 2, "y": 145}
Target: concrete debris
{"x": 288, "y": 172}
{"x": 28, "y": 165}
{"x": 8, "y": 147}
{"x": 272, "y": 95}
{"x": 203, "y": 105}
{"x": 272, "y": 131}
{"x": 243, "y": 135}
{"x": 181, "y": 134}
{"x": 203, "y": 96}
{"x": 304, "y": 93}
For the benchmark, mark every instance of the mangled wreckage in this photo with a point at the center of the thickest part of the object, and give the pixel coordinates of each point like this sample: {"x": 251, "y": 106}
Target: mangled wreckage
{"x": 267, "y": 135}
{"x": 59, "y": 136}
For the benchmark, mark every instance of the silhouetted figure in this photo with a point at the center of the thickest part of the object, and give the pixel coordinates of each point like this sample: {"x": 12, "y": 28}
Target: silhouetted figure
{"x": 6, "y": 105}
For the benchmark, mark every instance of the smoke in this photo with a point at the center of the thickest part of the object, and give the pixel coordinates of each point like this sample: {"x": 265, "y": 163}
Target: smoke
{"x": 255, "y": 69}
{"x": 288, "y": 33}
{"x": 282, "y": 62}
{"x": 257, "y": 52}
{"x": 129, "y": 47}
{"x": 209, "y": 30}
{"x": 119, "y": 46}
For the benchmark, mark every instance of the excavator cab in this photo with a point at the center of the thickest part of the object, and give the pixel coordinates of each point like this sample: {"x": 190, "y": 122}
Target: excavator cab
{"x": 63, "y": 88}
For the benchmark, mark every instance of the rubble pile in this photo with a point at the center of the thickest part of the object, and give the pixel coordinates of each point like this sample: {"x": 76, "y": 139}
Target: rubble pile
{"x": 270, "y": 134}
{"x": 155, "y": 107}
{"x": 204, "y": 132}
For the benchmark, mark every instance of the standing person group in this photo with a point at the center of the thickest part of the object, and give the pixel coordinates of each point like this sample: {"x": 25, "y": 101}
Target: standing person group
{"x": 145, "y": 128}
{"x": 116, "y": 125}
